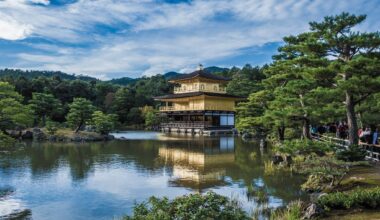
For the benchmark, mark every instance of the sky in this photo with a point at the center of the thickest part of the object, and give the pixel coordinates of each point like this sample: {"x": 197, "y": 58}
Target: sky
{"x": 130, "y": 38}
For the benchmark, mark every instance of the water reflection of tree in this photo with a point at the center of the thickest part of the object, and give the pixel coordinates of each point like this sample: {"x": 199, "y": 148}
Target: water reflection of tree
{"x": 44, "y": 159}
{"x": 242, "y": 162}
{"x": 250, "y": 158}
{"x": 81, "y": 160}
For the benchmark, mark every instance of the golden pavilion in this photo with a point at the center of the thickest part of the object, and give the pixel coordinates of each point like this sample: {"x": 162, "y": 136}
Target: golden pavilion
{"x": 200, "y": 103}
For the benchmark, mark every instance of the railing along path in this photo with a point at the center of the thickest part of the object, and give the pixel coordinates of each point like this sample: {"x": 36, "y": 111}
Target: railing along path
{"x": 373, "y": 150}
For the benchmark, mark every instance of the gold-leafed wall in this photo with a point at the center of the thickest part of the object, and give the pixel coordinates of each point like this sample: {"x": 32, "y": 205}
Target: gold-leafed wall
{"x": 201, "y": 103}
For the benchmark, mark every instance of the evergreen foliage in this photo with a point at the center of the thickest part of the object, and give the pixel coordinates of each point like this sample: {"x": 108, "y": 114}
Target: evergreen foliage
{"x": 192, "y": 206}
{"x": 313, "y": 74}
{"x": 13, "y": 114}
{"x": 80, "y": 113}
{"x": 103, "y": 123}
{"x": 358, "y": 198}
{"x": 45, "y": 105}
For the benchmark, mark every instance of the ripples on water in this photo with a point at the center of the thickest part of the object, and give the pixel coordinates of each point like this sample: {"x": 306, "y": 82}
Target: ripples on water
{"x": 104, "y": 180}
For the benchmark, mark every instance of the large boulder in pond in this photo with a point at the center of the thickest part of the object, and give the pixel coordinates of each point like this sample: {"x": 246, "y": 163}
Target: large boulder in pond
{"x": 38, "y": 135}
{"x": 312, "y": 211}
{"x": 14, "y": 133}
{"x": 277, "y": 159}
{"x": 109, "y": 137}
{"x": 27, "y": 135}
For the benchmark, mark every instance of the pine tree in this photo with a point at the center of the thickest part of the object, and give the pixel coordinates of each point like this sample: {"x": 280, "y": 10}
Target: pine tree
{"x": 354, "y": 57}
{"x": 80, "y": 113}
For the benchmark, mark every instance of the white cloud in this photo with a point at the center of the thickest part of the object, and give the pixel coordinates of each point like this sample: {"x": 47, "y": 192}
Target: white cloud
{"x": 10, "y": 29}
{"x": 44, "y": 2}
{"x": 147, "y": 37}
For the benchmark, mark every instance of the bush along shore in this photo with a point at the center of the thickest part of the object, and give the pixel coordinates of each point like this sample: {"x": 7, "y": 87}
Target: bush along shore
{"x": 59, "y": 135}
{"x": 192, "y": 206}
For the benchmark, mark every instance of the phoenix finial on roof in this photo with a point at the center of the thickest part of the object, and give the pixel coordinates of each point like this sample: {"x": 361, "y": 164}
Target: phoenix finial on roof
{"x": 200, "y": 67}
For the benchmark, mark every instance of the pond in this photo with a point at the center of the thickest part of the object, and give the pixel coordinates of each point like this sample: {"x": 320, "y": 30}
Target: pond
{"x": 105, "y": 180}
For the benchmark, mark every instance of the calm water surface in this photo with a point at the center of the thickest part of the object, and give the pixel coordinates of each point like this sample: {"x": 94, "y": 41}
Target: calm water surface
{"x": 104, "y": 180}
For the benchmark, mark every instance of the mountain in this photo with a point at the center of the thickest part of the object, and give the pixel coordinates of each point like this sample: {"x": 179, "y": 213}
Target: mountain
{"x": 211, "y": 69}
{"x": 123, "y": 81}
{"x": 170, "y": 75}
{"x": 15, "y": 73}
{"x": 30, "y": 74}
{"x": 215, "y": 69}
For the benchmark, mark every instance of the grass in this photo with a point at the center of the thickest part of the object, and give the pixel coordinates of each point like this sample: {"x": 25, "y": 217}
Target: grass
{"x": 292, "y": 212}
{"x": 269, "y": 168}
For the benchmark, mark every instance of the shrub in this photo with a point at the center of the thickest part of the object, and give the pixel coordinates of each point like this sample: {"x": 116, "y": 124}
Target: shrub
{"x": 365, "y": 198}
{"x": 292, "y": 212}
{"x": 51, "y": 127}
{"x": 352, "y": 153}
{"x": 269, "y": 168}
{"x": 104, "y": 123}
{"x": 192, "y": 206}
{"x": 303, "y": 147}
{"x": 323, "y": 172}
{"x": 5, "y": 140}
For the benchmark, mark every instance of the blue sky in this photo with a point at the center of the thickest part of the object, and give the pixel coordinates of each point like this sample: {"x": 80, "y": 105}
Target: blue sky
{"x": 116, "y": 38}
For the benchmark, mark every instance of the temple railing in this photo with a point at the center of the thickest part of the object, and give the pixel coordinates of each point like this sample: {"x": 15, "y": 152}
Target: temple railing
{"x": 192, "y": 124}
{"x": 194, "y": 108}
{"x": 178, "y": 90}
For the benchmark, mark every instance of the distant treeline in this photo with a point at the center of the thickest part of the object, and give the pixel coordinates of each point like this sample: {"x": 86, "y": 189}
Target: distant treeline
{"x": 112, "y": 97}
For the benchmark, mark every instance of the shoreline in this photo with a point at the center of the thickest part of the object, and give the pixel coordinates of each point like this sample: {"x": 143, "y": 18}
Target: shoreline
{"x": 61, "y": 135}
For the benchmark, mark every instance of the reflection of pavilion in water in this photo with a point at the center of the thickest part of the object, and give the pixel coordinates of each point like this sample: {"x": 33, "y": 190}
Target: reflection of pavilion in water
{"x": 201, "y": 164}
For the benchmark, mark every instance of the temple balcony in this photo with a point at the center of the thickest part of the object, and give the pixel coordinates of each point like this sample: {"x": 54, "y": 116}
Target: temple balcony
{"x": 179, "y": 90}
{"x": 195, "y": 108}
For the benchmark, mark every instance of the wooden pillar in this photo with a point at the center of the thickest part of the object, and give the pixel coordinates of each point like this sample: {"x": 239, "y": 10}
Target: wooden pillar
{"x": 204, "y": 120}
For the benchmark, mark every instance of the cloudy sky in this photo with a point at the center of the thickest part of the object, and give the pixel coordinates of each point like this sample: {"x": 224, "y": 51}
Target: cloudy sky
{"x": 116, "y": 38}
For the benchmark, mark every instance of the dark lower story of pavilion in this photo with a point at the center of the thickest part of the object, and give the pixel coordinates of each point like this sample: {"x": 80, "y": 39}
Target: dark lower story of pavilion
{"x": 202, "y": 120}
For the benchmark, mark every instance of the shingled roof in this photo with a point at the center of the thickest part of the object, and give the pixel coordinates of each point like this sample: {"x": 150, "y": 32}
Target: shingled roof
{"x": 199, "y": 73}
{"x": 192, "y": 94}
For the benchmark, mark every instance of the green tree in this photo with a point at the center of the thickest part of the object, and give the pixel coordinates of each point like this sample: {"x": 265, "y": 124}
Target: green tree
{"x": 150, "y": 116}
{"x": 246, "y": 81}
{"x": 354, "y": 57}
{"x": 123, "y": 101}
{"x": 134, "y": 116}
{"x": 13, "y": 113}
{"x": 51, "y": 127}
{"x": 295, "y": 81}
{"x": 45, "y": 105}
{"x": 104, "y": 123}
{"x": 80, "y": 113}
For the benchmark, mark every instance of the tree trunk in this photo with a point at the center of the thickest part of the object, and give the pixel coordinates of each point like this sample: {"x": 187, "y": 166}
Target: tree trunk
{"x": 79, "y": 126}
{"x": 281, "y": 133}
{"x": 353, "y": 137}
{"x": 306, "y": 129}
{"x": 43, "y": 120}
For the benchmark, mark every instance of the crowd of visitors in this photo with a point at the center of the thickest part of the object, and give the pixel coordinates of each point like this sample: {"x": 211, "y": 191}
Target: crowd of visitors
{"x": 367, "y": 135}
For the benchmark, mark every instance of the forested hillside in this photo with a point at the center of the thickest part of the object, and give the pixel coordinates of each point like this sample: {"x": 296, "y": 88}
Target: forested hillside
{"x": 49, "y": 94}
{"x": 15, "y": 73}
